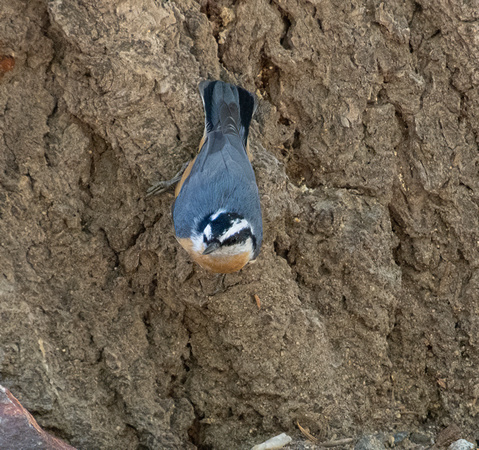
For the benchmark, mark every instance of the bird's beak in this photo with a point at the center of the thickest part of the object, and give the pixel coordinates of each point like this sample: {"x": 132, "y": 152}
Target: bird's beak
{"x": 211, "y": 248}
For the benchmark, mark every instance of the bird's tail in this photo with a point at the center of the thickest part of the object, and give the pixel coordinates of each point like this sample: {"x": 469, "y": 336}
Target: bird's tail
{"x": 228, "y": 108}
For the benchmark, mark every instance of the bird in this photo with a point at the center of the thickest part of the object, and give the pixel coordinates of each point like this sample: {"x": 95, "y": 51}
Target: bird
{"x": 217, "y": 212}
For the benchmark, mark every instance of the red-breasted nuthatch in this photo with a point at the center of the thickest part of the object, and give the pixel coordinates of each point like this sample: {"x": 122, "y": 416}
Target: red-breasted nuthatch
{"x": 217, "y": 213}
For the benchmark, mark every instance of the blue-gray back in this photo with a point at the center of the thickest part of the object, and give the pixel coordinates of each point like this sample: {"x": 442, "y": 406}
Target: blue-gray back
{"x": 222, "y": 177}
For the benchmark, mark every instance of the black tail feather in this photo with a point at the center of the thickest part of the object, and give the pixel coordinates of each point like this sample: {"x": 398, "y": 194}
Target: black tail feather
{"x": 228, "y": 108}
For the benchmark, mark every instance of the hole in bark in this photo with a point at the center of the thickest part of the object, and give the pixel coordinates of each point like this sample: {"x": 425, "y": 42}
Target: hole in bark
{"x": 285, "y": 40}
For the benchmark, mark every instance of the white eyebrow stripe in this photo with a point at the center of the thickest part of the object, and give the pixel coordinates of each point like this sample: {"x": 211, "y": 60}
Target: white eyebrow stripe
{"x": 237, "y": 226}
{"x": 216, "y": 214}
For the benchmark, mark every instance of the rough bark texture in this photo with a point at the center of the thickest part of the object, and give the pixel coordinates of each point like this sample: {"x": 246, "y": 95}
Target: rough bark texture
{"x": 366, "y": 154}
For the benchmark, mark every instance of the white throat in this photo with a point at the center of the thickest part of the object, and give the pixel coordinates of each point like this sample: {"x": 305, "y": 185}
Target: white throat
{"x": 228, "y": 250}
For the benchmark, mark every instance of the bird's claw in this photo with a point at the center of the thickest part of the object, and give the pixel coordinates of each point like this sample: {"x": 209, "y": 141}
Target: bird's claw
{"x": 163, "y": 186}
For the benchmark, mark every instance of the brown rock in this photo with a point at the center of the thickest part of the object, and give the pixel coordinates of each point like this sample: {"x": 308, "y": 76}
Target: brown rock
{"x": 447, "y": 436}
{"x": 19, "y": 430}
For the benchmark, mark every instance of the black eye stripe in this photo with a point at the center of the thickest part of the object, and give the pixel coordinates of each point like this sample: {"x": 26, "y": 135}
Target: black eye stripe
{"x": 238, "y": 238}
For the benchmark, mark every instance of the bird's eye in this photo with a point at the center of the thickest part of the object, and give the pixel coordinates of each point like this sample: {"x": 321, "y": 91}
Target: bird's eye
{"x": 205, "y": 240}
{"x": 234, "y": 239}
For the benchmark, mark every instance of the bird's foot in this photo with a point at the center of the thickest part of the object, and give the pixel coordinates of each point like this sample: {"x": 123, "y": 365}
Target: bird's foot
{"x": 163, "y": 186}
{"x": 220, "y": 286}
{"x": 213, "y": 285}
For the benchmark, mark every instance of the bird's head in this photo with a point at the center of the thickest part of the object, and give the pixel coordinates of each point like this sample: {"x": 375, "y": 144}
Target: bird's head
{"x": 224, "y": 242}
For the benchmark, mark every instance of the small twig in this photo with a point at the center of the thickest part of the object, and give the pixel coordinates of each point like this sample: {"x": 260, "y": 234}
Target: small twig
{"x": 307, "y": 433}
{"x": 329, "y": 444}
{"x": 258, "y": 303}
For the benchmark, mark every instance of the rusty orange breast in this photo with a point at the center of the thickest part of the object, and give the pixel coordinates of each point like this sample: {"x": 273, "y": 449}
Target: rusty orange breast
{"x": 219, "y": 263}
